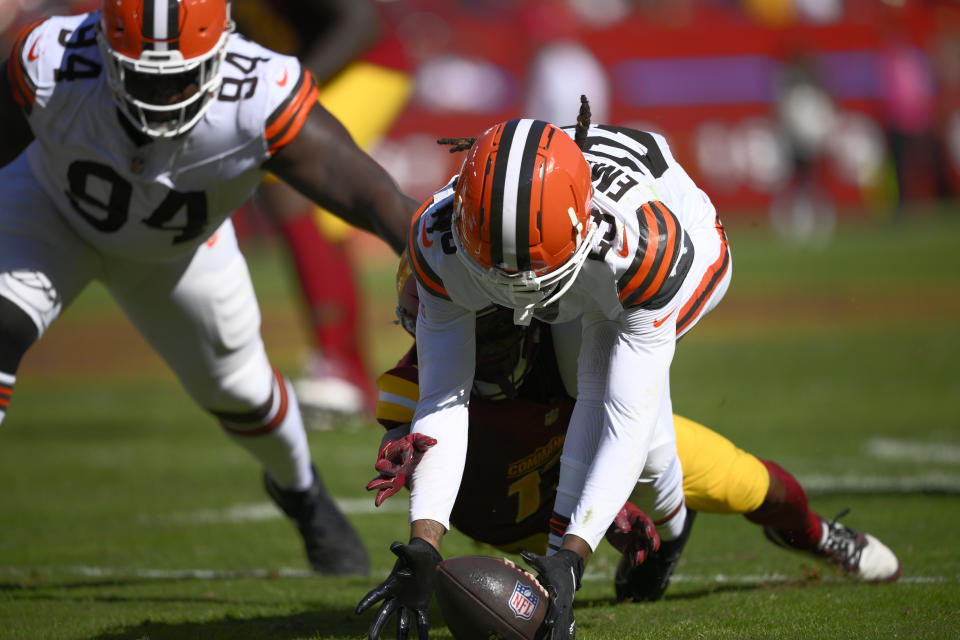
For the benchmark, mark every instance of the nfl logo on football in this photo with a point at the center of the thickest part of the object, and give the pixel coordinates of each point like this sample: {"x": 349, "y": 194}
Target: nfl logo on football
{"x": 523, "y": 601}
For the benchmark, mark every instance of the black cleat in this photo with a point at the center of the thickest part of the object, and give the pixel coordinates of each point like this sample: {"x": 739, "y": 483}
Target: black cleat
{"x": 332, "y": 544}
{"x": 649, "y": 580}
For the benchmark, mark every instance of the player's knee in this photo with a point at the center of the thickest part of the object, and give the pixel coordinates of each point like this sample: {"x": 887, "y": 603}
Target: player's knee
{"x": 244, "y": 389}
{"x": 17, "y": 333}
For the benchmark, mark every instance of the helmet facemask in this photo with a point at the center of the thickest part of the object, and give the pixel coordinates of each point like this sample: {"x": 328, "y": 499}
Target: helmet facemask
{"x": 526, "y": 291}
{"x": 161, "y": 94}
{"x": 163, "y": 60}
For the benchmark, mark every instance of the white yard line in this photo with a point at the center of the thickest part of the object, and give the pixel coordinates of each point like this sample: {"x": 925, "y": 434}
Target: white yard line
{"x": 913, "y": 451}
{"x": 852, "y": 483}
{"x": 813, "y": 483}
{"x": 268, "y": 511}
{"x": 590, "y": 576}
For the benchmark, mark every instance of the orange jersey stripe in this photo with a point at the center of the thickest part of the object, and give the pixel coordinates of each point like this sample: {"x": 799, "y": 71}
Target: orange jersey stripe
{"x": 666, "y": 257}
{"x": 284, "y": 402}
{"x": 24, "y": 91}
{"x": 714, "y": 274}
{"x": 286, "y": 121}
{"x": 424, "y": 274}
{"x": 4, "y": 402}
{"x": 664, "y": 261}
{"x": 647, "y": 219}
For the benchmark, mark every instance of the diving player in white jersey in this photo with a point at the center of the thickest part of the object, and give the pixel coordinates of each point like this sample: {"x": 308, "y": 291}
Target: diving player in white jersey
{"x": 130, "y": 136}
{"x": 601, "y": 233}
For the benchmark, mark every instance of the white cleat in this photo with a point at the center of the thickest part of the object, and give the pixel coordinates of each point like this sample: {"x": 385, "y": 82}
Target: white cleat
{"x": 859, "y": 555}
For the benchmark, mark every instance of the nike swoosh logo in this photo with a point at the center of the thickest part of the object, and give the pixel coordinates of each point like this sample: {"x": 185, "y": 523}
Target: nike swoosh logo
{"x": 657, "y": 323}
{"x": 32, "y": 54}
{"x": 625, "y": 251}
{"x": 282, "y": 81}
{"x": 423, "y": 236}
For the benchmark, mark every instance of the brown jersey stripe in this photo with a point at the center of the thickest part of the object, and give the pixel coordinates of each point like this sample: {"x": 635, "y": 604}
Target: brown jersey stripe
{"x": 714, "y": 274}
{"x": 261, "y": 414}
{"x": 24, "y": 90}
{"x": 287, "y": 119}
{"x": 651, "y": 246}
{"x": 426, "y": 276}
{"x": 650, "y": 293}
{"x": 670, "y": 240}
{"x": 676, "y": 275}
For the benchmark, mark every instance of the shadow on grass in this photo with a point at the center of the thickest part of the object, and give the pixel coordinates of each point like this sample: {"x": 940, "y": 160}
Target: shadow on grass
{"x": 694, "y": 594}
{"x": 323, "y": 622}
{"x": 321, "y": 619}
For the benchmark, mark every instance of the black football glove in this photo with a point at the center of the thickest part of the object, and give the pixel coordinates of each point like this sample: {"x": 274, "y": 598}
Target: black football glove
{"x": 407, "y": 589}
{"x": 560, "y": 575}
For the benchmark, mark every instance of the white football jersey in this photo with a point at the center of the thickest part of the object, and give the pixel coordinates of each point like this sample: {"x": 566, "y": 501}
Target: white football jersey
{"x": 642, "y": 250}
{"x": 658, "y": 262}
{"x": 135, "y": 197}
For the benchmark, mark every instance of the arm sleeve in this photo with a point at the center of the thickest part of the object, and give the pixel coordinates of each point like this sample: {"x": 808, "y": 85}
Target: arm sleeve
{"x": 446, "y": 353}
{"x": 623, "y": 372}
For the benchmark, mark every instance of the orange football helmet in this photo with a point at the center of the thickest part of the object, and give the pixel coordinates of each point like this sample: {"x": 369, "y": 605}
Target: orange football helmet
{"x": 163, "y": 59}
{"x": 522, "y": 217}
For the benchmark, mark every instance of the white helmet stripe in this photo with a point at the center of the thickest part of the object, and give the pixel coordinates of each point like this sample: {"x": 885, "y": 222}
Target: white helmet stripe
{"x": 510, "y": 189}
{"x": 160, "y": 24}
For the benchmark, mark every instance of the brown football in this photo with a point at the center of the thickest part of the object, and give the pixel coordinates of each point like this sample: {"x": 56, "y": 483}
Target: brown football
{"x": 484, "y": 598}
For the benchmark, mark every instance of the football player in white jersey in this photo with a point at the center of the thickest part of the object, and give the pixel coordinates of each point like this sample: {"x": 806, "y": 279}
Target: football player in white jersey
{"x": 130, "y": 136}
{"x": 600, "y": 232}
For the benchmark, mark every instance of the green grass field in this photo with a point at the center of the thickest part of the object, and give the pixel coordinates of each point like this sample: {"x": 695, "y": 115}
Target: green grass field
{"x": 126, "y": 514}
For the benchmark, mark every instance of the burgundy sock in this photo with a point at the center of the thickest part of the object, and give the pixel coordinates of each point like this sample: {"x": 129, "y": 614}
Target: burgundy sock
{"x": 785, "y": 509}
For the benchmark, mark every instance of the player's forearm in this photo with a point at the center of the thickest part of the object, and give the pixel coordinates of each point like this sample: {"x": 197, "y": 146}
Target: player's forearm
{"x": 436, "y": 480}
{"x": 615, "y": 451}
{"x": 392, "y": 219}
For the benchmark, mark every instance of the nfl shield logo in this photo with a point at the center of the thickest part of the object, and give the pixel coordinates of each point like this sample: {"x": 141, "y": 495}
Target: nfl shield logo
{"x": 523, "y": 601}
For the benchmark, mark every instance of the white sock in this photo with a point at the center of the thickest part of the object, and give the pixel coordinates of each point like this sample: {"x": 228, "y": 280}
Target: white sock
{"x": 282, "y": 449}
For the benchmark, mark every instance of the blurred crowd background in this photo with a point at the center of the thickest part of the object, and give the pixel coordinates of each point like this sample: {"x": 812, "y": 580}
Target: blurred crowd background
{"x": 802, "y": 111}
